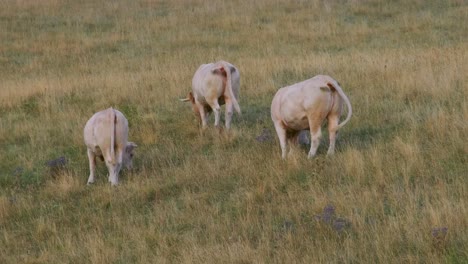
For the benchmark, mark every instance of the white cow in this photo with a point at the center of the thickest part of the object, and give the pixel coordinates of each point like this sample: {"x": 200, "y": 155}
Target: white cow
{"x": 306, "y": 105}
{"x": 215, "y": 84}
{"x": 105, "y": 135}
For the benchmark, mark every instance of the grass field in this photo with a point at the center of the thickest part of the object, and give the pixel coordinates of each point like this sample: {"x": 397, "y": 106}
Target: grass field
{"x": 394, "y": 192}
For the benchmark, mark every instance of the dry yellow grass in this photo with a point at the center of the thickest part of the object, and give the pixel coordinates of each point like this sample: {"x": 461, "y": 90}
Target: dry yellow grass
{"x": 394, "y": 192}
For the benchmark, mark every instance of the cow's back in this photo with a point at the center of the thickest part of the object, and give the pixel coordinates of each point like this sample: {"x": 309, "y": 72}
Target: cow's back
{"x": 121, "y": 129}
{"x": 294, "y": 103}
{"x": 99, "y": 128}
{"x": 200, "y": 77}
{"x": 205, "y": 83}
{"x": 305, "y": 95}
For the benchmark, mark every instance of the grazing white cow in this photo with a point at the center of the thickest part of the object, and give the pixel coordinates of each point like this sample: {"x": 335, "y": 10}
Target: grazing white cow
{"x": 215, "y": 84}
{"x": 105, "y": 135}
{"x": 304, "y": 106}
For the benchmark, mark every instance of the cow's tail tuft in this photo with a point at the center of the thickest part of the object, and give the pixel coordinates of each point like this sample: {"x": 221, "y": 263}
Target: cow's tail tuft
{"x": 336, "y": 87}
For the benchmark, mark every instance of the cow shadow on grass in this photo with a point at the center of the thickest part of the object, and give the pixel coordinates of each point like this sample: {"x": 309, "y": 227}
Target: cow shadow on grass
{"x": 361, "y": 137}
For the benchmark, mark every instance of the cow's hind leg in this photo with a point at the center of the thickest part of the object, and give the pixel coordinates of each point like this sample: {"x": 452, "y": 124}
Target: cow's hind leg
{"x": 315, "y": 135}
{"x": 113, "y": 172}
{"x": 203, "y": 115}
{"x": 281, "y": 132}
{"x": 217, "y": 112}
{"x": 332, "y": 131}
{"x": 315, "y": 141}
{"x": 114, "y": 166}
{"x": 92, "y": 166}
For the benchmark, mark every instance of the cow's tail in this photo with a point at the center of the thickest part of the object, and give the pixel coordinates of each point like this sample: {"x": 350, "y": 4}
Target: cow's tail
{"x": 227, "y": 69}
{"x": 113, "y": 119}
{"x": 334, "y": 86}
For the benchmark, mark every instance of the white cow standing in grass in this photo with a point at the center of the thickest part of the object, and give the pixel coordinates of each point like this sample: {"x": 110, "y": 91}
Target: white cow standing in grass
{"x": 106, "y": 135}
{"x": 215, "y": 84}
{"x": 304, "y": 106}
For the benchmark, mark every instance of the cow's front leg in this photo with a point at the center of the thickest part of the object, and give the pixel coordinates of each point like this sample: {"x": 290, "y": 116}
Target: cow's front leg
{"x": 217, "y": 112}
{"x": 92, "y": 166}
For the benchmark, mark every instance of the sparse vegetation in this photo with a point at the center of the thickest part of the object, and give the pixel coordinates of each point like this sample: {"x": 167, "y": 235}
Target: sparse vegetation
{"x": 394, "y": 192}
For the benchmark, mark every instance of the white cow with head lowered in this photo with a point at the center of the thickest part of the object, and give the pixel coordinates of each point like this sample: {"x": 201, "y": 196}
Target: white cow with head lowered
{"x": 106, "y": 135}
{"x": 304, "y": 106}
{"x": 215, "y": 84}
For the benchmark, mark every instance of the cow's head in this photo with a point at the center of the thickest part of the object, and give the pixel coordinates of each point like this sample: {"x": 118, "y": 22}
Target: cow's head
{"x": 128, "y": 155}
{"x": 191, "y": 98}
